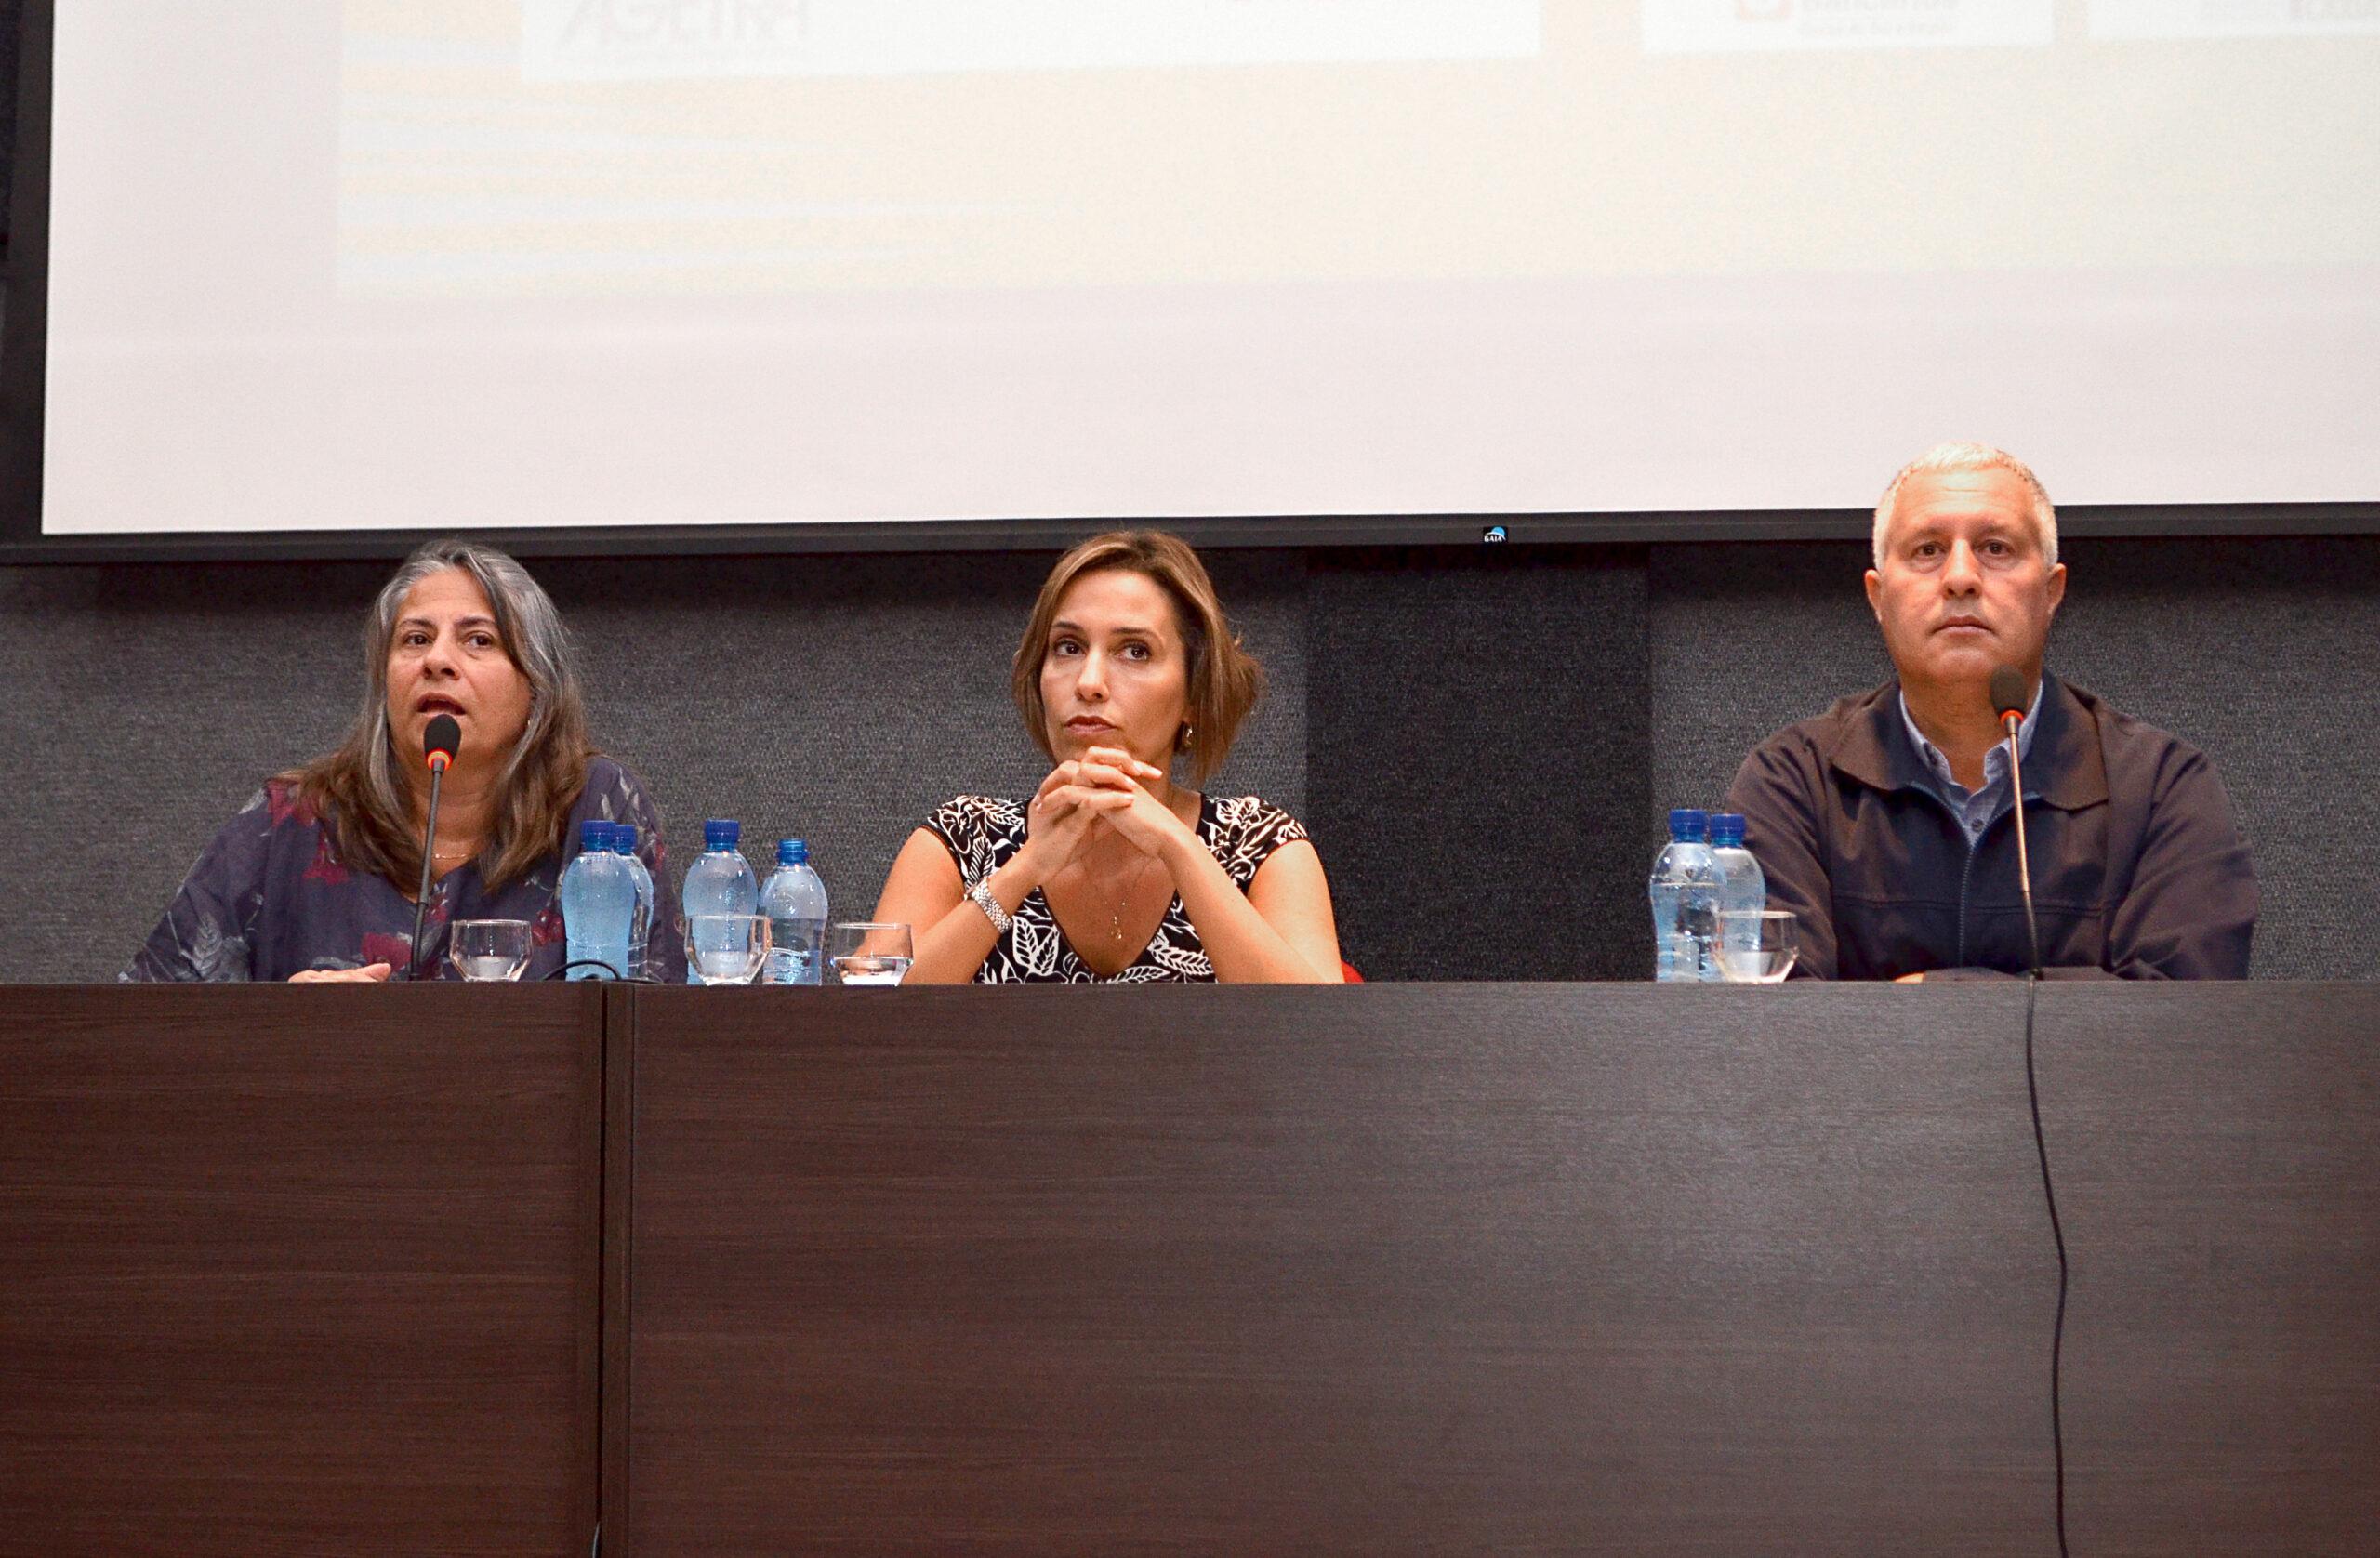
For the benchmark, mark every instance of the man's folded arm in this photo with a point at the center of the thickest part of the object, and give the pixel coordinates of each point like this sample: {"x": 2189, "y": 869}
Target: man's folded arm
{"x": 2191, "y": 910}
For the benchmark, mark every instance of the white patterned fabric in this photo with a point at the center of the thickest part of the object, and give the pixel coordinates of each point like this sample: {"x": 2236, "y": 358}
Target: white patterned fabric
{"x": 983, "y": 832}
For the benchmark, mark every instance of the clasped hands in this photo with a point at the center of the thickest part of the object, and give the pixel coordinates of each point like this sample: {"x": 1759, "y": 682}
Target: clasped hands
{"x": 1103, "y": 787}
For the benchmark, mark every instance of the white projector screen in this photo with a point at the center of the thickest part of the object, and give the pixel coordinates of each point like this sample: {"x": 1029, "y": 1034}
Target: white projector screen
{"x": 412, "y": 265}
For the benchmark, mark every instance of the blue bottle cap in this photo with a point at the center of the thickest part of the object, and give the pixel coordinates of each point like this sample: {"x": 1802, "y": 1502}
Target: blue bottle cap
{"x": 792, "y": 852}
{"x": 720, "y": 834}
{"x": 1727, "y": 827}
{"x": 624, "y": 837}
{"x": 1688, "y": 825}
{"x": 594, "y": 835}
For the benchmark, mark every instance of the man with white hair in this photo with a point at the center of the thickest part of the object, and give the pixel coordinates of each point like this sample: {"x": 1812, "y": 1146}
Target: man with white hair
{"x": 1883, "y": 823}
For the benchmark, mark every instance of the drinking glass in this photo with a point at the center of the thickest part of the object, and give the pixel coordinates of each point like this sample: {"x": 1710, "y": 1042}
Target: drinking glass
{"x": 488, "y": 949}
{"x": 866, "y": 953}
{"x": 726, "y": 948}
{"x": 1756, "y": 946}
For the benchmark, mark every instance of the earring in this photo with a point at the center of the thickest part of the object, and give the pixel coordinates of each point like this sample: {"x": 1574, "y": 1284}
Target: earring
{"x": 1181, "y": 743}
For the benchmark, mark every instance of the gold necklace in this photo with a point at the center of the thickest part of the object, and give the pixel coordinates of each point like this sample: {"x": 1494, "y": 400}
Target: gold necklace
{"x": 1115, "y": 920}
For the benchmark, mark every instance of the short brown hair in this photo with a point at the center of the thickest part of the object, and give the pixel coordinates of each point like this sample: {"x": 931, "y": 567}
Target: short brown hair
{"x": 1225, "y": 679}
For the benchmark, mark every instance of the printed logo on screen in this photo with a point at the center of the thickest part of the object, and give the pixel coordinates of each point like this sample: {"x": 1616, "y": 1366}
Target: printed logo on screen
{"x": 2115, "y": 19}
{"x": 1742, "y": 26}
{"x": 598, "y": 40}
{"x": 630, "y": 40}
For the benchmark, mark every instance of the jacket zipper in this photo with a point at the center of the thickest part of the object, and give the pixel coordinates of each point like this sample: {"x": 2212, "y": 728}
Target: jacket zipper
{"x": 1966, "y": 874}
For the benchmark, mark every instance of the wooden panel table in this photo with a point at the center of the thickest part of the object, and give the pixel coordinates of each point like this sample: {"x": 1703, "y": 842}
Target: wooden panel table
{"x": 1402, "y": 1269}
{"x": 304, "y": 1269}
{"x": 2216, "y": 1151}
{"x": 1393, "y": 1269}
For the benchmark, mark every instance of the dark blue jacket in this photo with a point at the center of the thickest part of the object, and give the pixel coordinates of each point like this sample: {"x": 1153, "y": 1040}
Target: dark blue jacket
{"x": 2137, "y": 869}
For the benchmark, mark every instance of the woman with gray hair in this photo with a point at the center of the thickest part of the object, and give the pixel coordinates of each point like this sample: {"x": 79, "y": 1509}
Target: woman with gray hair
{"x": 316, "y": 878}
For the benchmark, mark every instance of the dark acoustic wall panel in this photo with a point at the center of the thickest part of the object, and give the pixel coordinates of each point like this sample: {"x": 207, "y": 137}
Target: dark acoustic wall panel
{"x": 1477, "y": 757}
{"x": 2267, "y": 653}
{"x": 2264, "y": 652}
{"x": 839, "y": 699}
{"x": 1482, "y": 743}
{"x": 142, "y": 707}
{"x": 1744, "y": 640}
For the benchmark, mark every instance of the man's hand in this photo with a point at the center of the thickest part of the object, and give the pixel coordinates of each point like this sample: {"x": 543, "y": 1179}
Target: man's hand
{"x": 1917, "y": 978}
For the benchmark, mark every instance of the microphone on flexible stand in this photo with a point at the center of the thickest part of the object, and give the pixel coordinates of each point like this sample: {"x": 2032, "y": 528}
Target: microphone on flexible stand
{"x": 2010, "y": 697}
{"x": 2009, "y": 701}
{"x": 440, "y": 740}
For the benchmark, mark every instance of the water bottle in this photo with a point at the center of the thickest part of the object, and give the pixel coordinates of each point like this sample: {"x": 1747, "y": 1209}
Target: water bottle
{"x": 641, "y": 927}
{"x": 1743, "y": 885}
{"x": 719, "y": 881}
{"x": 1684, "y": 892}
{"x": 794, "y": 901}
{"x": 598, "y": 906}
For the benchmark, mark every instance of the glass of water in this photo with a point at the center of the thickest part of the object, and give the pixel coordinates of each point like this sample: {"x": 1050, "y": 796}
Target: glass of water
{"x": 1756, "y": 946}
{"x": 726, "y": 948}
{"x": 868, "y": 953}
{"x": 488, "y": 949}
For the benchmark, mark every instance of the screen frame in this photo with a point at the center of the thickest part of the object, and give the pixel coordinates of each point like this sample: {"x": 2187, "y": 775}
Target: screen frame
{"x": 23, "y": 378}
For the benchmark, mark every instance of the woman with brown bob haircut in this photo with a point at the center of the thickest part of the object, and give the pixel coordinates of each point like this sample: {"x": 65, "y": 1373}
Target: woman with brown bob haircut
{"x": 315, "y": 878}
{"x": 1113, "y": 871}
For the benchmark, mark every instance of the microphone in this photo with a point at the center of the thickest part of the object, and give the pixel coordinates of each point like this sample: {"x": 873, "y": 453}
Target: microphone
{"x": 2009, "y": 701}
{"x": 443, "y": 737}
{"x": 440, "y": 739}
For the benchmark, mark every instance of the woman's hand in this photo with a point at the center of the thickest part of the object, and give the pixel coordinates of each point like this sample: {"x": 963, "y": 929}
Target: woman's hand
{"x": 1055, "y": 823}
{"x": 1110, "y": 785}
{"x": 1070, "y": 805}
{"x": 370, "y": 973}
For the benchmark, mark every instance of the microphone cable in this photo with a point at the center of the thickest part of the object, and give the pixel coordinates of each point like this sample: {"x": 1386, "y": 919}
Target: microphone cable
{"x": 617, "y": 977}
{"x": 2058, "y": 1234}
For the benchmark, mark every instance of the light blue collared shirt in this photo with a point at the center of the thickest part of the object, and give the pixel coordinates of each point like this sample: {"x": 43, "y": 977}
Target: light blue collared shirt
{"x": 1976, "y": 808}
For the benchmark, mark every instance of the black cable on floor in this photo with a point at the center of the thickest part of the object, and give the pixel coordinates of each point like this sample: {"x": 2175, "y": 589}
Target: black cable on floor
{"x": 2057, "y": 1331}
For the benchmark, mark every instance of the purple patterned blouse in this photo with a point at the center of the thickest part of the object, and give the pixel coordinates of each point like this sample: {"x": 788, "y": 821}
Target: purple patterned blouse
{"x": 269, "y": 898}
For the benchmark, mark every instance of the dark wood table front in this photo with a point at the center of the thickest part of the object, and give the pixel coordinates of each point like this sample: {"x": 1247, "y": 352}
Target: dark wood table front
{"x": 307, "y": 1270}
{"x": 1392, "y": 1270}
{"x": 2216, "y": 1151}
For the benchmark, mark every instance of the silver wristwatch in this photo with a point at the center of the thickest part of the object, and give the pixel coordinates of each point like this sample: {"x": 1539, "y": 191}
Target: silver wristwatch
{"x": 981, "y": 893}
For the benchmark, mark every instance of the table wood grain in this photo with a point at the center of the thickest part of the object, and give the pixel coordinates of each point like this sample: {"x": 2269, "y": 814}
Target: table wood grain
{"x": 1527, "y": 1269}
{"x": 2216, "y": 1151}
{"x": 298, "y": 1270}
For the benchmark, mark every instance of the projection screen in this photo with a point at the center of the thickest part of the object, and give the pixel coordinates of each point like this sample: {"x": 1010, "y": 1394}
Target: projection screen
{"x": 772, "y": 268}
